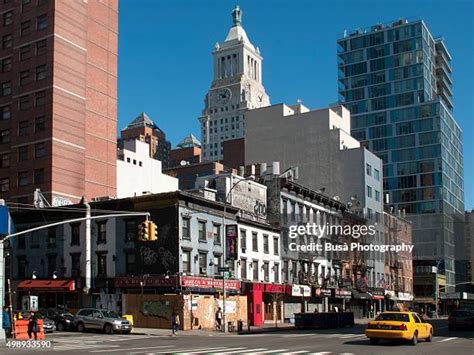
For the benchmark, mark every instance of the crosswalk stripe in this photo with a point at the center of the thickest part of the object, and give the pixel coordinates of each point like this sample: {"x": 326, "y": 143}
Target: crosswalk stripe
{"x": 298, "y": 352}
{"x": 131, "y": 349}
{"x": 196, "y": 350}
{"x": 249, "y": 351}
{"x": 227, "y": 351}
{"x": 447, "y": 339}
{"x": 352, "y": 336}
{"x": 273, "y": 351}
{"x": 297, "y": 335}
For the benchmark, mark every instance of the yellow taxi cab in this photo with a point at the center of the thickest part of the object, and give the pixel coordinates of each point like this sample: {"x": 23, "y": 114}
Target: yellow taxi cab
{"x": 399, "y": 325}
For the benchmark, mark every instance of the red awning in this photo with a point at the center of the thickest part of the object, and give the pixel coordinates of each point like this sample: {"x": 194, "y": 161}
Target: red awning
{"x": 47, "y": 285}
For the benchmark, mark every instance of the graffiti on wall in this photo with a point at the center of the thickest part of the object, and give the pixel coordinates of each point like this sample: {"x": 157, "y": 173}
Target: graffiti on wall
{"x": 159, "y": 309}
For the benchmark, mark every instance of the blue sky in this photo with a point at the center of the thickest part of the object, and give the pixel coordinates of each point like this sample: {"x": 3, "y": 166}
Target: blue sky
{"x": 165, "y": 63}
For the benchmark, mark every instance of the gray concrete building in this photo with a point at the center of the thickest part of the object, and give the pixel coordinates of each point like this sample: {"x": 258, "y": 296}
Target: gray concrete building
{"x": 319, "y": 143}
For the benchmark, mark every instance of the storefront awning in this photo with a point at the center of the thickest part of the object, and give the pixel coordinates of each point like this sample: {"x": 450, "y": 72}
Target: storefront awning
{"x": 47, "y": 285}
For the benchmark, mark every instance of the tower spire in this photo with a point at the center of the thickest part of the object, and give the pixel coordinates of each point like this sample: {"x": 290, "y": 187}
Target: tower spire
{"x": 237, "y": 15}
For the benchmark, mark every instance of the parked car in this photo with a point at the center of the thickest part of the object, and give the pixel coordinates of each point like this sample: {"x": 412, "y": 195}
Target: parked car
{"x": 48, "y": 324}
{"x": 399, "y": 325}
{"x": 461, "y": 319}
{"x": 62, "y": 318}
{"x": 101, "y": 319}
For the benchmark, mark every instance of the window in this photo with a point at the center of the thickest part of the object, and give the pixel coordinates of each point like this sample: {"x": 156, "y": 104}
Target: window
{"x": 24, "y": 77}
{"x": 243, "y": 269}
{"x": 40, "y": 124}
{"x": 24, "y": 103}
{"x": 216, "y": 232}
{"x": 52, "y": 237}
{"x": 243, "y": 239}
{"x": 7, "y": 41}
{"x": 6, "y": 88}
{"x": 377, "y": 217}
{"x": 42, "y": 22}
{"x": 202, "y": 231}
{"x": 23, "y": 153}
{"x": 185, "y": 231}
{"x": 254, "y": 241}
{"x": 255, "y": 270}
{"x": 368, "y": 169}
{"x": 369, "y": 191}
{"x": 102, "y": 232}
{"x": 276, "y": 245}
{"x": 23, "y": 178}
{"x": 266, "y": 271}
{"x": 22, "y": 266}
{"x": 6, "y": 113}
{"x": 5, "y": 186}
{"x": 7, "y": 18}
{"x": 377, "y": 195}
{"x": 40, "y": 98}
{"x": 293, "y": 211}
{"x": 276, "y": 272}
{"x": 6, "y": 65}
{"x": 102, "y": 264}
{"x": 286, "y": 271}
{"x": 4, "y": 160}
{"x": 75, "y": 264}
{"x": 25, "y": 52}
{"x": 217, "y": 263}
{"x": 41, "y": 72}
{"x": 186, "y": 256}
{"x": 25, "y": 28}
{"x": 75, "y": 234}
{"x": 265, "y": 244}
{"x": 5, "y": 136}
{"x": 23, "y": 128}
{"x": 377, "y": 174}
{"x": 369, "y": 213}
{"x": 41, "y": 47}
{"x": 130, "y": 263}
{"x": 130, "y": 230}
{"x": 40, "y": 150}
{"x": 202, "y": 264}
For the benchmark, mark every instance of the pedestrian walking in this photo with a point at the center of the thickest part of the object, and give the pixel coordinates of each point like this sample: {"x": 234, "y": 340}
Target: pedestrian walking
{"x": 175, "y": 323}
{"x": 33, "y": 325}
{"x": 219, "y": 319}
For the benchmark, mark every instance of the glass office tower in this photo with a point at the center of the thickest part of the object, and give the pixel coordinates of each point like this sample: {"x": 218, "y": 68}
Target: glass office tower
{"x": 396, "y": 81}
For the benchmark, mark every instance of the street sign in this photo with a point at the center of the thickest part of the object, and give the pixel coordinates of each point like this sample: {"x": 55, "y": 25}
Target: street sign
{"x": 223, "y": 269}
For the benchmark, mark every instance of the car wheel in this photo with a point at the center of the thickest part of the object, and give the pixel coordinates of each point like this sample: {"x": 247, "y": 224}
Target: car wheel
{"x": 374, "y": 341}
{"x": 414, "y": 340}
{"x": 80, "y": 327}
{"x": 60, "y": 327}
{"x": 430, "y": 337}
{"x": 108, "y": 329}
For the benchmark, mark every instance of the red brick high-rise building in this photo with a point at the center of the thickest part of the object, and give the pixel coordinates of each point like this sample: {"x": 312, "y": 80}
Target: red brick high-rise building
{"x": 58, "y": 99}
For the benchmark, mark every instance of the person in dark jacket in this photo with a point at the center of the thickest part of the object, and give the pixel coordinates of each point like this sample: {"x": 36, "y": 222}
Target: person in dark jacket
{"x": 33, "y": 325}
{"x": 6, "y": 321}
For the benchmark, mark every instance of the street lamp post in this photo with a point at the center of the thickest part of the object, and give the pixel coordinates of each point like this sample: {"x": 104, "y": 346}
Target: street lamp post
{"x": 224, "y": 254}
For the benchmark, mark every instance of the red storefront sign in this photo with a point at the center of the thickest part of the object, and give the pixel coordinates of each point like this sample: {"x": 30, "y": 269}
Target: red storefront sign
{"x": 151, "y": 281}
{"x": 263, "y": 287}
{"x": 208, "y": 283}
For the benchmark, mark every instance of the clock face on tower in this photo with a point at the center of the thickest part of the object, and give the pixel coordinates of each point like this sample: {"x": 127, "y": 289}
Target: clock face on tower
{"x": 223, "y": 96}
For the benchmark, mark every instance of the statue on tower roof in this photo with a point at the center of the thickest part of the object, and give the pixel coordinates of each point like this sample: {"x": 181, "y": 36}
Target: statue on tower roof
{"x": 237, "y": 15}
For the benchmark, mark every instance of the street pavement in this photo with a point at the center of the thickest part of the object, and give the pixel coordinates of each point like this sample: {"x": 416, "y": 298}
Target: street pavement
{"x": 288, "y": 341}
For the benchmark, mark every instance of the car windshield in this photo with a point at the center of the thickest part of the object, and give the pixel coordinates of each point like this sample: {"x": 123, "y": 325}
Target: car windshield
{"x": 396, "y": 317}
{"x": 110, "y": 314}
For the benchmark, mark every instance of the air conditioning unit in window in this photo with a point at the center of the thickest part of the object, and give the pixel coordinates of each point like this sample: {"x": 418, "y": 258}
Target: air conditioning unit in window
{"x": 243, "y": 250}
{"x": 203, "y": 271}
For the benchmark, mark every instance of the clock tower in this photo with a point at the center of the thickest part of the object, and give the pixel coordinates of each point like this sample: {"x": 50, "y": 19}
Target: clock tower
{"x": 236, "y": 88}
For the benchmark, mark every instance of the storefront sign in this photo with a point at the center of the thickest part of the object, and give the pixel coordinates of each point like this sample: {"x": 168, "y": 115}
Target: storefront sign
{"x": 339, "y": 293}
{"x": 322, "y": 292}
{"x": 389, "y": 293}
{"x": 301, "y": 291}
{"x": 377, "y": 293}
{"x": 151, "y": 281}
{"x": 231, "y": 241}
{"x": 405, "y": 296}
{"x": 208, "y": 283}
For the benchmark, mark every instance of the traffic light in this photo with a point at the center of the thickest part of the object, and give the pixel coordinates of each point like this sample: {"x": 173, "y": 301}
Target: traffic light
{"x": 143, "y": 230}
{"x": 153, "y": 231}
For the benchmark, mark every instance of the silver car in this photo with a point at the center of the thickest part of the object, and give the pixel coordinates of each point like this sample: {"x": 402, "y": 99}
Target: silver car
{"x": 101, "y": 319}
